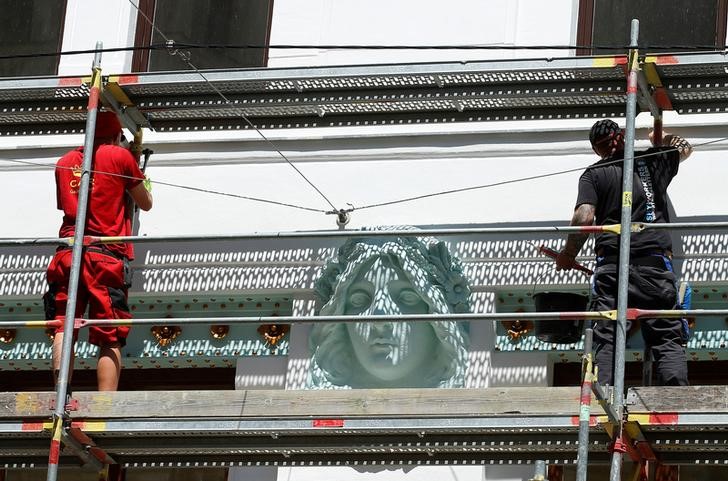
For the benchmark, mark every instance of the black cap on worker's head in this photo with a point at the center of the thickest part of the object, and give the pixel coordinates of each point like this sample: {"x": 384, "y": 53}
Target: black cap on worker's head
{"x": 603, "y": 129}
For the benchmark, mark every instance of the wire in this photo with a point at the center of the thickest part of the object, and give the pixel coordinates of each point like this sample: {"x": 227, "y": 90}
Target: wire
{"x": 184, "y": 56}
{"x": 519, "y": 179}
{"x": 179, "y": 186}
{"x": 698, "y": 48}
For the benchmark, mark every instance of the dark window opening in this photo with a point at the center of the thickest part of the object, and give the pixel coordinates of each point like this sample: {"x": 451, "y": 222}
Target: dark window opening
{"x": 203, "y": 22}
{"x": 30, "y": 27}
{"x": 675, "y": 24}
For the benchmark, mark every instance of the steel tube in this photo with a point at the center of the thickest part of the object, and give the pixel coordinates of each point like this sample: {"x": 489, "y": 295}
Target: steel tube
{"x": 10, "y": 242}
{"x": 495, "y": 316}
{"x": 83, "y": 191}
{"x": 582, "y": 454}
{"x": 620, "y": 334}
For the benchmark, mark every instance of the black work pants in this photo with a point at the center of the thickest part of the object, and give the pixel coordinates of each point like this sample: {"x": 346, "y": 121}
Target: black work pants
{"x": 651, "y": 286}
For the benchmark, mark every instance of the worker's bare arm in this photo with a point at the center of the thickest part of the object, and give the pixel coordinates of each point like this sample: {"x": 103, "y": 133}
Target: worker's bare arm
{"x": 583, "y": 215}
{"x": 141, "y": 196}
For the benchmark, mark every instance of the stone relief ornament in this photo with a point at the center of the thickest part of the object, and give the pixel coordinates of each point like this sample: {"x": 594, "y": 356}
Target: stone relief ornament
{"x": 392, "y": 275}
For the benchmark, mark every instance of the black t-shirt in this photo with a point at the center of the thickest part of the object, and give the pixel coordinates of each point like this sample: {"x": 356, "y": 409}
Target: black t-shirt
{"x": 601, "y": 186}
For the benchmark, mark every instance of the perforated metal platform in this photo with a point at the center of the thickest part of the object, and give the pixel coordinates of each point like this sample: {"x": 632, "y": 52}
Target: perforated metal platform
{"x": 574, "y": 87}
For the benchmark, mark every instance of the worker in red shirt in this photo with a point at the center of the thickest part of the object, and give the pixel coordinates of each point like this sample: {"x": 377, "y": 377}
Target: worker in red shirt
{"x": 105, "y": 274}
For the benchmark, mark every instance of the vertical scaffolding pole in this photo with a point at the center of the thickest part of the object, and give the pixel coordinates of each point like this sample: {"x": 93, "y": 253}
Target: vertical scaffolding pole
{"x": 59, "y": 413}
{"x": 624, "y": 250}
{"x": 582, "y": 456}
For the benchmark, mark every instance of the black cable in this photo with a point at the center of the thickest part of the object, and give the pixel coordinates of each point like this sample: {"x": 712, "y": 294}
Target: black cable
{"x": 519, "y": 179}
{"x": 310, "y": 209}
{"x": 184, "y": 56}
{"x": 691, "y": 48}
{"x": 169, "y": 184}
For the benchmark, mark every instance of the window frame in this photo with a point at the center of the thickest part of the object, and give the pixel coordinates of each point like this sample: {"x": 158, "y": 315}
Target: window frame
{"x": 144, "y": 31}
{"x": 585, "y": 25}
{"x": 59, "y": 47}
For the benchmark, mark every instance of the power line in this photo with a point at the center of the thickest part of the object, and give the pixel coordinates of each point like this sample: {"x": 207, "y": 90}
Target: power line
{"x": 618, "y": 48}
{"x": 369, "y": 206}
{"x": 514, "y": 181}
{"x": 179, "y": 186}
{"x": 185, "y": 57}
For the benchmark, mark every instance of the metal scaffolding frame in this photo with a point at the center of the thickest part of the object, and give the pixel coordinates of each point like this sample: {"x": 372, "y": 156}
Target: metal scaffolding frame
{"x": 581, "y": 87}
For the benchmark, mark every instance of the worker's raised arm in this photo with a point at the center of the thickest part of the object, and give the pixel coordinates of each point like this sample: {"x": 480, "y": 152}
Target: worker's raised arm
{"x": 682, "y": 146}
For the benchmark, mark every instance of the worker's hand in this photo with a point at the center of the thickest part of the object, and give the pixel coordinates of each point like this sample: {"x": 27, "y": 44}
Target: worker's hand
{"x": 564, "y": 262}
{"x": 651, "y": 136}
{"x": 147, "y": 183}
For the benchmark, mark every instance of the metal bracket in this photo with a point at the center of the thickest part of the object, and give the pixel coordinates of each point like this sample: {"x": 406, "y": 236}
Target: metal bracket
{"x": 83, "y": 447}
{"x": 131, "y": 118}
{"x": 71, "y": 405}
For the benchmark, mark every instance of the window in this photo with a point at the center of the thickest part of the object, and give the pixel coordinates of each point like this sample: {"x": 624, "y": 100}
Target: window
{"x": 30, "y": 27}
{"x": 669, "y": 23}
{"x": 204, "y": 22}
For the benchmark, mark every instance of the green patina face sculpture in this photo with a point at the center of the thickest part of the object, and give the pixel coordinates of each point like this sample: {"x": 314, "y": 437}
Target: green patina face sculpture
{"x": 402, "y": 275}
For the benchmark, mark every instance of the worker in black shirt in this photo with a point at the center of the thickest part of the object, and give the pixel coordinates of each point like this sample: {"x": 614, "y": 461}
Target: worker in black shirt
{"x": 651, "y": 279}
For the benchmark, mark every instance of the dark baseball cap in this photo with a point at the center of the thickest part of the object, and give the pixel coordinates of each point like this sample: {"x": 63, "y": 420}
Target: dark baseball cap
{"x": 602, "y": 129}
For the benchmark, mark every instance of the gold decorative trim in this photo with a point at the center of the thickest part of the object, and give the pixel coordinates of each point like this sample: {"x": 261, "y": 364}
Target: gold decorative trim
{"x": 273, "y": 333}
{"x": 7, "y": 336}
{"x": 165, "y": 334}
{"x": 219, "y": 331}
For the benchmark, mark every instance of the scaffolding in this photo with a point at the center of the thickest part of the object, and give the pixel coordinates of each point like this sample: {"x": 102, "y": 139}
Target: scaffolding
{"x": 322, "y": 428}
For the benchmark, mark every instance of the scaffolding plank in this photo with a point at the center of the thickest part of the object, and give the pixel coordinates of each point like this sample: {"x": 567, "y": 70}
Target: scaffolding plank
{"x": 510, "y": 401}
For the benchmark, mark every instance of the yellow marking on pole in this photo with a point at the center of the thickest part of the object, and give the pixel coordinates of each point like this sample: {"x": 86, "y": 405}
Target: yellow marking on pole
{"x": 601, "y": 62}
{"x": 56, "y": 425}
{"x": 117, "y": 92}
{"x": 627, "y": 199}
{"x": 643, "y": 419}
{"x": 94, "y": 426}
{"x": 608, "y": 426}
{"x": 611, "y": 315}
{"x": 637, "y": 227}
{"x": 650, "y": 70}
{"x": 109, "y": 240}
{"x": 614, "y": 228}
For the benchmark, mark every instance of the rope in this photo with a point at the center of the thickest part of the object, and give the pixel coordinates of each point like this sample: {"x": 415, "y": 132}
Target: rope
{"x": 185, "y": 57}
{"x": 516, "y": 180}
{"x": 179, "y": 186}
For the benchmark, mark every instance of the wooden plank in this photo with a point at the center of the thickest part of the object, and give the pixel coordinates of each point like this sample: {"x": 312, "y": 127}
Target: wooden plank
{"x": 293, "y": 404}
{"x": 677, "y": 399}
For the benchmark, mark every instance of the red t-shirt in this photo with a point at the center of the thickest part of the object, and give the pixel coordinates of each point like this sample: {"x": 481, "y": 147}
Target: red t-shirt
{"x": 107, "y": 210}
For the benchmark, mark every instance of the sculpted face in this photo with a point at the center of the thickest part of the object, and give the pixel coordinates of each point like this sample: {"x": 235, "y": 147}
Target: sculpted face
{"x": 386, "y": 350}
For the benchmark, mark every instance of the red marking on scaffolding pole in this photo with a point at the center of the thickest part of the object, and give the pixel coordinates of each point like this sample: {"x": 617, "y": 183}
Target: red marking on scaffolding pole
{"x": 664, "y": 418}
{"x": 93, "y": 98}
{"x": 55, "y": 452}
{"x": 666, "y": 60}
{"x": 328, "y": 423}
{"x": 32, "y": 426}
{"x": 592, "y": 420}
{"x": 128, "y": 79}
{"x": 70, "y": 81}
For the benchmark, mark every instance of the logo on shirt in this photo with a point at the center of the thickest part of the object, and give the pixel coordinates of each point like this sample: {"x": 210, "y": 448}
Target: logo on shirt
{"x": 644, "y": 174}
{"x": 75, "y": 182}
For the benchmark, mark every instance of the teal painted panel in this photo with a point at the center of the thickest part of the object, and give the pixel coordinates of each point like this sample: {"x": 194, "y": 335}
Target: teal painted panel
{"x": 194, "y": 347}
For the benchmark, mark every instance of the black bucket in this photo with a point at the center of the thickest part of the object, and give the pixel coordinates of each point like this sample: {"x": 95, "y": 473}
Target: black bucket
{"x": 558, "y": 331}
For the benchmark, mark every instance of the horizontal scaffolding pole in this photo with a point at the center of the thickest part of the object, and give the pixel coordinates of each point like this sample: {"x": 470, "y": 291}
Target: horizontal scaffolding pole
{"x": 593, "y": 229}
{"x": 497, "y": 316}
